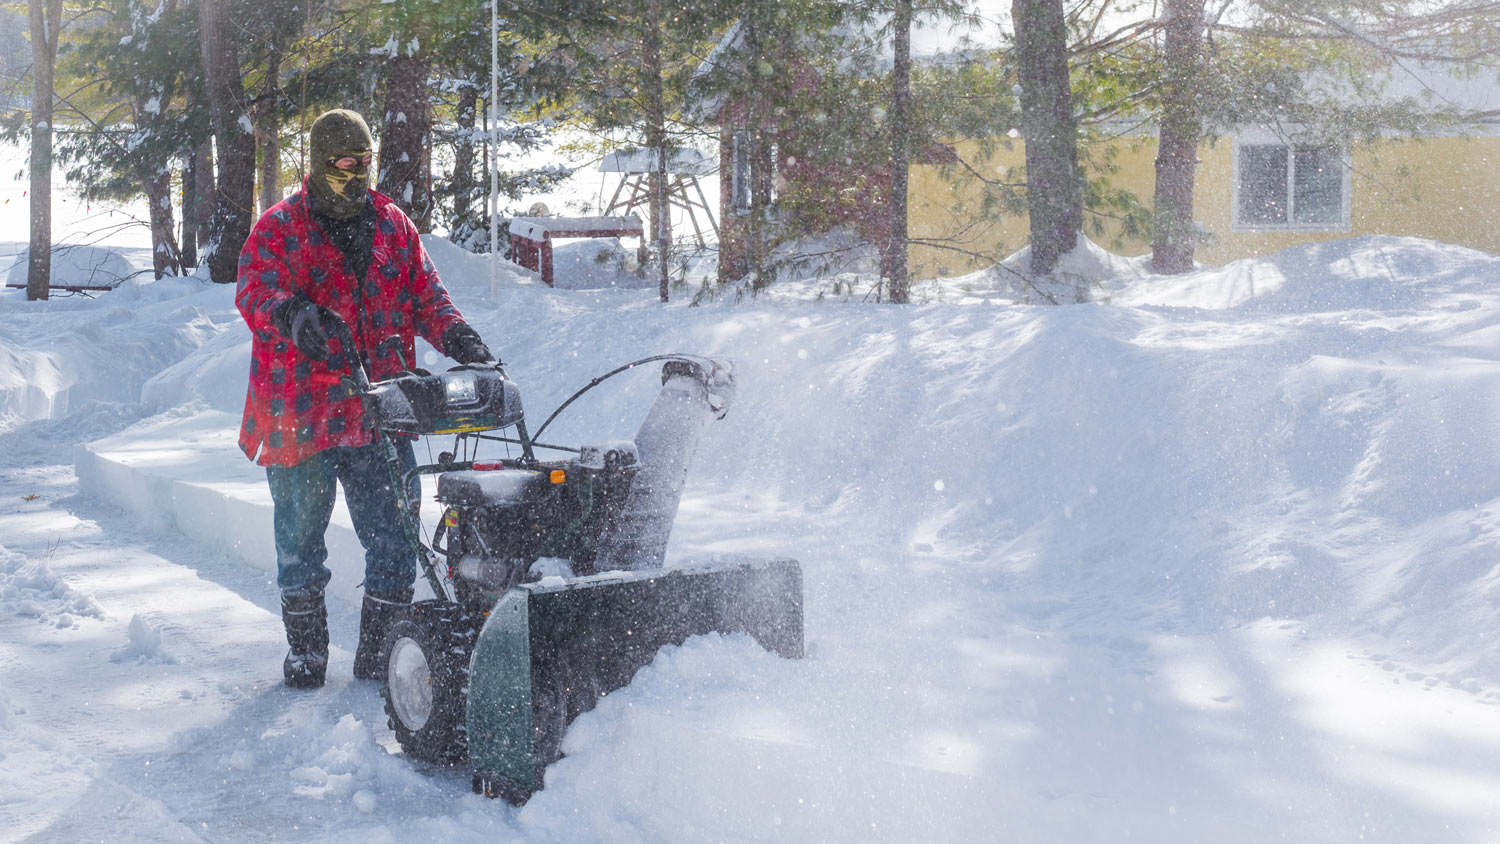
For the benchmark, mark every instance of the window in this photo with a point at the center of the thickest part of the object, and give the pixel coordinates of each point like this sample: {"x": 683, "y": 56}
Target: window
{"x": 1295, "y": 187}
{"x": 745, "y": 178}
{"x": 740, "y": 173}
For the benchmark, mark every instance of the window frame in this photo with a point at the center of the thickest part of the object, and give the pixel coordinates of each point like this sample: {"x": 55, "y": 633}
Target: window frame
{"x": 1344, "y": 224}
{"x": 743, "y": 176}
{"x": 741, "y": 198}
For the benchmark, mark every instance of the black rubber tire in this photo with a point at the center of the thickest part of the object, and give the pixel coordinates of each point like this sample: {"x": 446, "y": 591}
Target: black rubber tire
{"x": 434, "y": 638}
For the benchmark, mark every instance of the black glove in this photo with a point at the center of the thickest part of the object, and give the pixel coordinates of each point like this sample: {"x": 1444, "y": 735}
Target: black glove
{"x": 303, "y": 322}
{"x": 461, "y": 342}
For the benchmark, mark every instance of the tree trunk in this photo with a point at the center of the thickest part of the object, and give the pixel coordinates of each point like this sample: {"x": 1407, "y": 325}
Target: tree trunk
{"x": 46, "y": 18}
{"x": 656, "y": 140}
{"x": 235, "y": 206}
{"x": 205, "y": 195}
{"x": 732, "y": 263}
{"x": 197, "y": 187}
{"x": 464, "y": 181}
{"x": 1173, "y": 235}
{"x": 164, "y": 255}
{"x": 759, "y": 141}
{"x": 188, "y": 248}
{"x": 896, "y": 251}
{"x": 403, "y": 138}
{"x": 1054, "y": 192}
{"x": 268, "y": 131}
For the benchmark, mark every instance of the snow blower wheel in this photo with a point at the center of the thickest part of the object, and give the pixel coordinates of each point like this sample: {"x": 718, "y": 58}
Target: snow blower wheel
{"x": 427, "y": 680}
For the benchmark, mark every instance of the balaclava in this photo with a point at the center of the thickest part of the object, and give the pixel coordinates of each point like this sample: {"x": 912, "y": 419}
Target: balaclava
{"x": 333, "y": 192}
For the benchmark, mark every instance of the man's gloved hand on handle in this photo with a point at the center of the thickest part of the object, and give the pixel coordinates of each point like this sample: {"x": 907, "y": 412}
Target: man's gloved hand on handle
{"x": 461, "y": 342}
{"x": 306, "y": 324}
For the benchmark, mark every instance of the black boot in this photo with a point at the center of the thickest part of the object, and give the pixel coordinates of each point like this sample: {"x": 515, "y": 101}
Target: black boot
{"x": 306, "y": 620}
{"x": 375, "y": 616}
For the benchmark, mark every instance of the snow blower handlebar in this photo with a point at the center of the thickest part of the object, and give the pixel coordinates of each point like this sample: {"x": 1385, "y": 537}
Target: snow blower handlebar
{"x": 468, "y": 398}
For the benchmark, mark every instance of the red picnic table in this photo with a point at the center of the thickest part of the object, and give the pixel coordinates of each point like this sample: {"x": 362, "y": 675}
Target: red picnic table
{"x": 531, "y": 237}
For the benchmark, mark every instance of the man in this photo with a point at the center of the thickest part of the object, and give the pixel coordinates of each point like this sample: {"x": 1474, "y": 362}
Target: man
{"x": 336, "y": 248}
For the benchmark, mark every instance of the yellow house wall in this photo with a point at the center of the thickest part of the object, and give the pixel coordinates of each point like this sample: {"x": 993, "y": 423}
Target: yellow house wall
{"x": 1445, "y": 189}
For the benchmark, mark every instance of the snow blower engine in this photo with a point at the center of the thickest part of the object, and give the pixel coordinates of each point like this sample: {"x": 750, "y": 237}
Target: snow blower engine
{"x": 547, "y": 574}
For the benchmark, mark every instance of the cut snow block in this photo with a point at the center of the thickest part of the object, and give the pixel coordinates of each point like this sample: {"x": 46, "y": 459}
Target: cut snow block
{"x": 547, "y": 653}
{"x": 188, "y": 474}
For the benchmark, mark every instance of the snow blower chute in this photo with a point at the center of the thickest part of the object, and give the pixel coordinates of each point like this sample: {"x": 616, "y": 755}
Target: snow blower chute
{"x": 550, "y": 591}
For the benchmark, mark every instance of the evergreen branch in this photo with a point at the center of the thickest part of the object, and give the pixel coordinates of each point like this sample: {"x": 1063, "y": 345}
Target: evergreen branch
{"x": 997, "y": 265}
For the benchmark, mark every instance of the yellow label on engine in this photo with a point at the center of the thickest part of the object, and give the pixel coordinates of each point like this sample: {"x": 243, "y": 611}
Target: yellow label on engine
{"x": 466, "y": 430}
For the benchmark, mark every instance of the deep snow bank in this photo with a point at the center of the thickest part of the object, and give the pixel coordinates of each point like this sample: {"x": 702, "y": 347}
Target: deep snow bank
{"x": 58, "y": 355}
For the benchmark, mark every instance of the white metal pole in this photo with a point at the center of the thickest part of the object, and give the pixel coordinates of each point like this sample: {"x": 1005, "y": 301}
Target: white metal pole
{"x": 494, "y": 146}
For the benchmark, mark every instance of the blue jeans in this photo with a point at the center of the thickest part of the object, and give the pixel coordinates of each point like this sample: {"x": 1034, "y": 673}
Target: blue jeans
{"x": 303, "y": 497}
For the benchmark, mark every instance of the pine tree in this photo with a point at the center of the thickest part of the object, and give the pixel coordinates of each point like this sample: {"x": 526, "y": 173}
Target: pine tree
{"x": 1180, "y": 129}
{"x": 482, "y": 134}
{"x": 220, "y": 22}
{"x": 1054, "y": 190}
{"x": 896, "y": 250}
{"x": 417, "y": 33}
{"x": 631, "y": 63}
{"x": 134, "y": 119}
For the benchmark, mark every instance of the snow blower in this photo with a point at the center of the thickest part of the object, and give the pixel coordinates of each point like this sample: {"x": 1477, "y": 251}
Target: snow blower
{"x": 550, "y": 590}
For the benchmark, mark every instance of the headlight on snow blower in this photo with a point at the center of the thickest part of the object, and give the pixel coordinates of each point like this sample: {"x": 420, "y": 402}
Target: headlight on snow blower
{"x": 460, "y": 388}
{"x": 453, "y": 402}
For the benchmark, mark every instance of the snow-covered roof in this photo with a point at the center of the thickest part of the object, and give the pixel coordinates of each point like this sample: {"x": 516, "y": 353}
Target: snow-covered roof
{"x": 539, "y": 228}
{"x": 690, "y": 162}
{"x": 1442, "y": 87}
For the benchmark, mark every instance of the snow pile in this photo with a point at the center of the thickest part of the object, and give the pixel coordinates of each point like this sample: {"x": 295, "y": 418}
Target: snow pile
{"x": 339, "y": 766}
{"x": 1386, "y": 273}
{"x": 143, "y": 645}
{"x": 76, "y": 264}
{"x": 29, "y": 588}
{"x": 578, "y": 264}
{"x": 839, "y": 267}
{"x": 836, "y": 267}
{"x": 1084, "y": 274}
{"x": 599, "y": 263}
{"x": 111, "y": 346}
{"x": 455, "y": 262}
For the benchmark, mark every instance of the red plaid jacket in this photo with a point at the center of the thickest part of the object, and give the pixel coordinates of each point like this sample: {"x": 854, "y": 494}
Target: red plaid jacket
{"x": 296, "y": 406}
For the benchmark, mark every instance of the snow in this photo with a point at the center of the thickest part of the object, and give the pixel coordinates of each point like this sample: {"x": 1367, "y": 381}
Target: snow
{"x": 1209, "y": 557}
{"x": 537, "y": 228}
{"x": 76, "y": 264}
